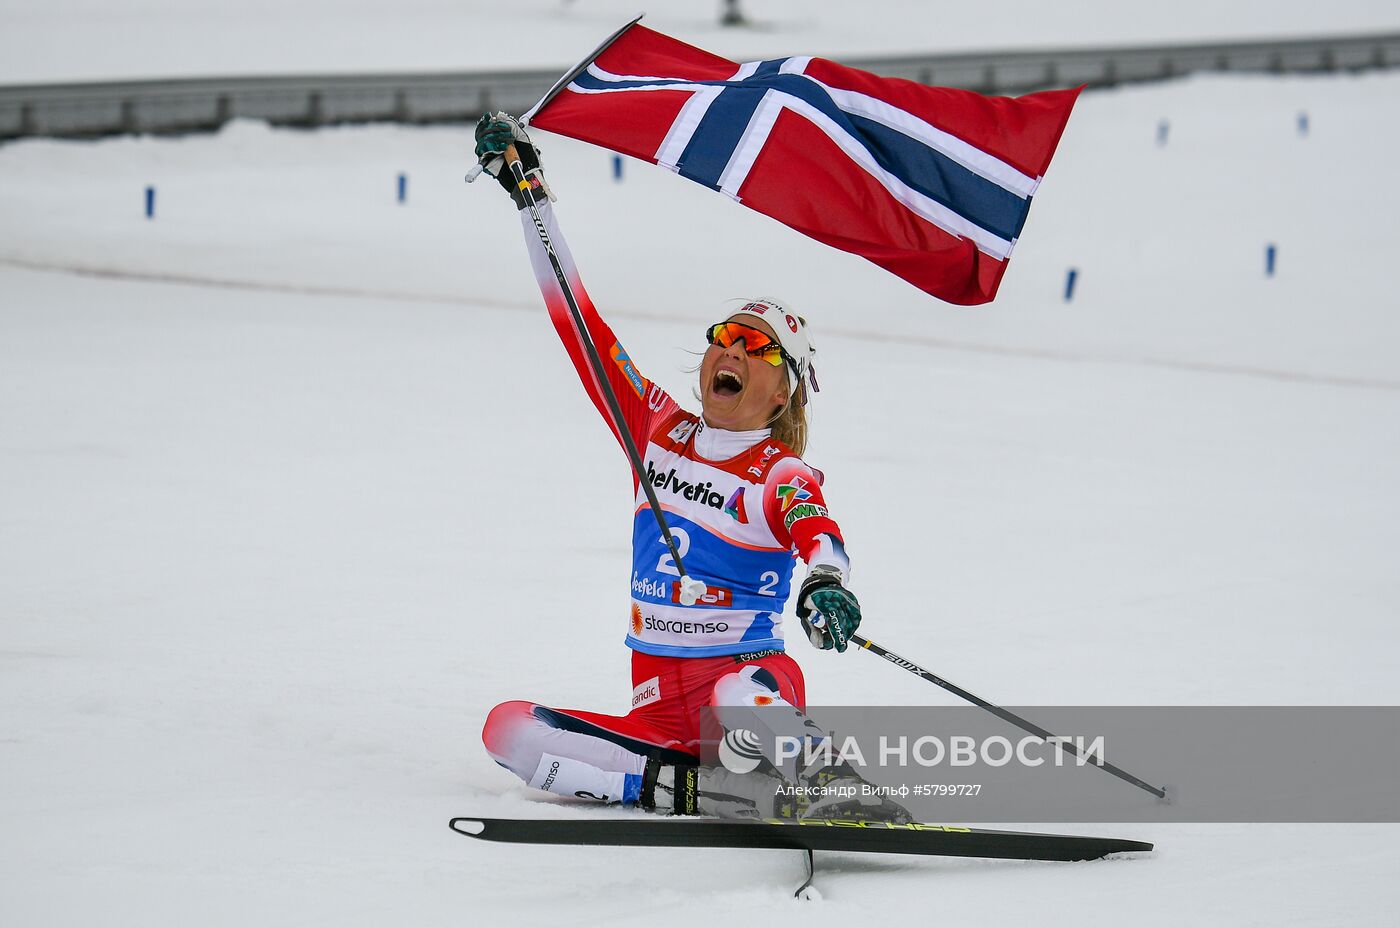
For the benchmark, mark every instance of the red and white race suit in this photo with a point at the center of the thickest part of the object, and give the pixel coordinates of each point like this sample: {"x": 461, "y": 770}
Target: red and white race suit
{"x": 741, "y": 507}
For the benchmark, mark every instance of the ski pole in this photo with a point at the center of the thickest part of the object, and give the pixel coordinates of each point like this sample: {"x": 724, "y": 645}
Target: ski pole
{"x": 1004, "y": 714}
{"x": 691, "y": 589}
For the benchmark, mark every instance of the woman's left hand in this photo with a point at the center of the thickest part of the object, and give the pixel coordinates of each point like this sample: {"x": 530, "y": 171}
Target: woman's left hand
{"x": 829, "y": 612}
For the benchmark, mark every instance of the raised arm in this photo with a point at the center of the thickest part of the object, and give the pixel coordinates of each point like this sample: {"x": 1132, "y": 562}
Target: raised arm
{"x": 641, "y": 401}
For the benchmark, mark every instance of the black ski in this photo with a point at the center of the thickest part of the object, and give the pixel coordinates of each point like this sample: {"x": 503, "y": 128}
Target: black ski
{"x": 808, "y": 835}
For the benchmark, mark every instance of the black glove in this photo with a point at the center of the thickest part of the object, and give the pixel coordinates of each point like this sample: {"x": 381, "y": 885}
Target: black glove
{"x": 829, "y": 612}
{"x": 494, "y": 134}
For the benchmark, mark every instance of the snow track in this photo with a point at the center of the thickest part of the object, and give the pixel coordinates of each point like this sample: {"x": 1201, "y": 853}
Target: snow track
{"x": 295, "y": 484}
{"x": 939, "y": 344}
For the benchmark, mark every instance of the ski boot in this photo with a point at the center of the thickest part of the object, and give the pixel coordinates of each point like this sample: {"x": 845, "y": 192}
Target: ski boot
{"x": 833, "y": 791}
{"x": 837, "y": 791}
{"x": 692, "y": 789}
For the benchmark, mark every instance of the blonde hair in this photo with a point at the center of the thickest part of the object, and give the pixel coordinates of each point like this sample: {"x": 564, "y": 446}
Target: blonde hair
{"x": 789, "y": 424}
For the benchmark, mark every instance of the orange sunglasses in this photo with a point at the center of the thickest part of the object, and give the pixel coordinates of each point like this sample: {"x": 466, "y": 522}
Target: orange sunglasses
{"x": 756, "y": 344}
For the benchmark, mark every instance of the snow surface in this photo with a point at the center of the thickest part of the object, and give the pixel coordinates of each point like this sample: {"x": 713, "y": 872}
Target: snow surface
{"x": 296, "y": 483}
{"x": 79, "y": 40}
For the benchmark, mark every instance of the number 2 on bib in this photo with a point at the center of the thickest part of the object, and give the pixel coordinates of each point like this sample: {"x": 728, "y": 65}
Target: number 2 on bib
{"x": 667, "y": 564}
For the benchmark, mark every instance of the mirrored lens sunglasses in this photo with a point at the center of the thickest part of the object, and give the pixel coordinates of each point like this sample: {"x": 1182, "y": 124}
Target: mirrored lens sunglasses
{"x": 756, "y": 344}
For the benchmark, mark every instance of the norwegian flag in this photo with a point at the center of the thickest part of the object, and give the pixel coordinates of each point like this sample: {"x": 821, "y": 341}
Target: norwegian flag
{"x": 931, "y": 183}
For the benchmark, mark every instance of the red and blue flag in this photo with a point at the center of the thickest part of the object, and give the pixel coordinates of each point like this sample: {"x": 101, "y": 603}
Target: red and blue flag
{"x": 931, "y": 183}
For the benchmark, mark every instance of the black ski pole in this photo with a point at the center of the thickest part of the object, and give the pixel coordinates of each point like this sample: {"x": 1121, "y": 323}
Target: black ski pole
{"x": 1004, "y": 714}
{"x": 691, "y": 589}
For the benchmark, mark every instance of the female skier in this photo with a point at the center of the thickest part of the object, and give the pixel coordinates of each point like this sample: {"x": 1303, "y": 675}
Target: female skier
{"x": 739, "y": 501}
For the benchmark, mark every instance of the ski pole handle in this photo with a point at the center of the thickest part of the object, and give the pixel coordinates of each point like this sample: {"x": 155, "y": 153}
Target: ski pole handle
{"x": 510, "y": 155}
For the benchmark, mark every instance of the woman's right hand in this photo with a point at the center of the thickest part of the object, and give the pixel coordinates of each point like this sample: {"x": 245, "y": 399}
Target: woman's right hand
{"x": 496, "y": 132}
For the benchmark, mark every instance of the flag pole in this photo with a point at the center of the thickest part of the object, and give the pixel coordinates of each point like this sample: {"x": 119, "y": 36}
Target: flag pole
{"x": 578, "y": 69}
{"x": 559, "y": 86}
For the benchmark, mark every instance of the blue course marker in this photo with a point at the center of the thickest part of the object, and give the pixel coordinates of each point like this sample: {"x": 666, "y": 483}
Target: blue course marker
{"x": 150, "y": 202}
{"x": 1163, "y": 129}
{"x": 1070, "y": 278}
{"x": 403, "y": 187}
{"x": 1303, "y": 124}
{"x": 1270, "y": 259}
{"x": 617, "y": 167}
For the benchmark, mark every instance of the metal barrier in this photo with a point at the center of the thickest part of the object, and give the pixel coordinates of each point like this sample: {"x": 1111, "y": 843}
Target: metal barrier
{"x": 166, "y": 106}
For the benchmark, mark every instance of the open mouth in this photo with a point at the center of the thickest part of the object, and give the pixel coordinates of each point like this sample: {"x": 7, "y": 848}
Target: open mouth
{"x": 726, "y": 383}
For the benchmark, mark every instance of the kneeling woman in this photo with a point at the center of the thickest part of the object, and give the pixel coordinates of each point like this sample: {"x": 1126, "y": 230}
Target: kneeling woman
{"x": 740, "y": 502}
